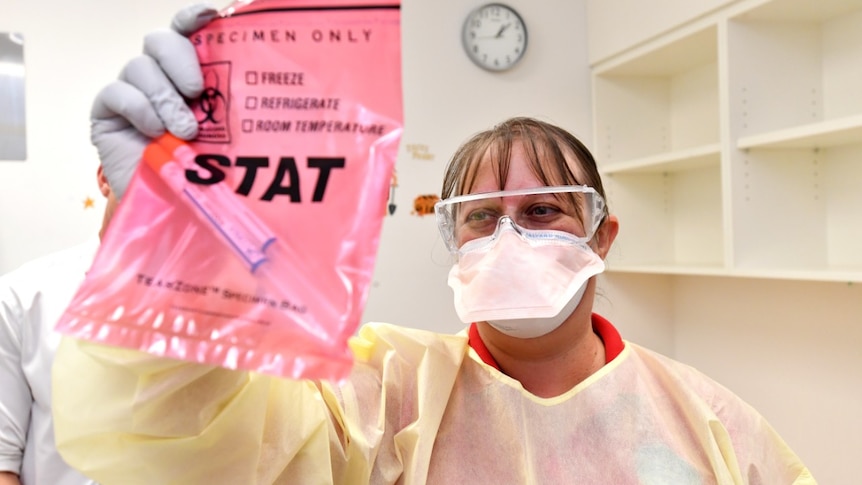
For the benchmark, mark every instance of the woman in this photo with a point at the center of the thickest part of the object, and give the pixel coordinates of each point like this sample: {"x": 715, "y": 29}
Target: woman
{"x": 552, "y": 395}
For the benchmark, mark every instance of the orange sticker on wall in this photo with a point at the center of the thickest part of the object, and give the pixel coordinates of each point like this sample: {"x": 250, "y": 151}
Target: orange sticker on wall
{"x": 423, "y": 205}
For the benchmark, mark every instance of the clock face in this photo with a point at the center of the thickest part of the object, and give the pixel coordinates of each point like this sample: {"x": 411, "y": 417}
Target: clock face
{"x": 494, "y": 37}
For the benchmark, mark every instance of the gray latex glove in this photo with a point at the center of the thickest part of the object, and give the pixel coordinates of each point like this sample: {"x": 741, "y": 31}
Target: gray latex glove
{"x": 149, "y": 97}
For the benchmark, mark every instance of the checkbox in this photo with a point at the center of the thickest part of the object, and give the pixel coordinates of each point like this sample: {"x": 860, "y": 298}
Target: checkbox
{"x": 251, "y": 77}
{"x": 247, "y": 126}
{"x": 251, "y": 102}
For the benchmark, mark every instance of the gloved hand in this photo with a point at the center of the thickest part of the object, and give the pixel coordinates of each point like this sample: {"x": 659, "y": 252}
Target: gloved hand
{"x": 148, "y": 97}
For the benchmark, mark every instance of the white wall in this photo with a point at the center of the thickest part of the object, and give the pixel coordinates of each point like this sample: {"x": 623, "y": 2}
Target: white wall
{"x": 71, "y": 49}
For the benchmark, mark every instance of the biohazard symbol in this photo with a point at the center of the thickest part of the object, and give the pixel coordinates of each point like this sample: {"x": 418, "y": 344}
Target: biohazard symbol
{"x": 211, "y": 101}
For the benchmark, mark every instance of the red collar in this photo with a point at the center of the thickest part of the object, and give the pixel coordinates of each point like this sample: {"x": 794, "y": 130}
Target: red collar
{"x": 610, "y": 336}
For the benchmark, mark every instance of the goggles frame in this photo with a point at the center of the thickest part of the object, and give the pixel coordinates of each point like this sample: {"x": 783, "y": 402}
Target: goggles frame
{"x": 446, "y": 225}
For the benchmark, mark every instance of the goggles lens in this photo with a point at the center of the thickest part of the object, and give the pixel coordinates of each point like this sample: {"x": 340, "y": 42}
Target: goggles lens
{"x": 577, "y": 210}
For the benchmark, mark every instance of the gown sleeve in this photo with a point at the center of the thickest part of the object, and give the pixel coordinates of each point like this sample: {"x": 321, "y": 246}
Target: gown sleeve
{"x": 126, "y": 417}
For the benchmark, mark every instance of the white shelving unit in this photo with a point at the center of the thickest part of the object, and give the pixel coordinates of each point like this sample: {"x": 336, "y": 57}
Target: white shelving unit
{"x": 732, "y": 145}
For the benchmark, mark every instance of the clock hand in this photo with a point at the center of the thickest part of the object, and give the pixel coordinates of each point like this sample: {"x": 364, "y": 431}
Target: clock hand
{"x": 497, "y": 35}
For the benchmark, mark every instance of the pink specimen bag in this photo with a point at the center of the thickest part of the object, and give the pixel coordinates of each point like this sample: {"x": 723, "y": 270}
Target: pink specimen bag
{"x": 253, "y": 246}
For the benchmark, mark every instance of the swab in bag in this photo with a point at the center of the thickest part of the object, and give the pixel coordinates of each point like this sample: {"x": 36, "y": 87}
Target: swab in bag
{"x": 252, "y": 247}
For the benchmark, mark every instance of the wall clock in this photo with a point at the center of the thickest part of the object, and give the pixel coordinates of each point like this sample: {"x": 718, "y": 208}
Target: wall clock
{"x": 494, "y": 37}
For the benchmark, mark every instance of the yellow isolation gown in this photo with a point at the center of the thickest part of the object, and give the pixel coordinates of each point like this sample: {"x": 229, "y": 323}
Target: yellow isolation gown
{"x": 419, "y": 407}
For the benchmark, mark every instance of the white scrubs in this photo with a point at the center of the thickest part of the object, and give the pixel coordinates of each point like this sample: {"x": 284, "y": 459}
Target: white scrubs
{"x": 32, "y": 298}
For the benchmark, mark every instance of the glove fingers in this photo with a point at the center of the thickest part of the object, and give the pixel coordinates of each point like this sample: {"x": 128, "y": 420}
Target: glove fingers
{"x": 120, "y": 105}
{"x": 120, "y": 154}
{"x": 193, "y": 17}
{"x": 144, "y": 74}
{"x": 149, "y": 97}
{"x": 177, "y": 57}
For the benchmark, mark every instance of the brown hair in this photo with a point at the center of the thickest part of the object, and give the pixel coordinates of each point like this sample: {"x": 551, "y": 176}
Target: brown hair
{"x": 548, "y": 149}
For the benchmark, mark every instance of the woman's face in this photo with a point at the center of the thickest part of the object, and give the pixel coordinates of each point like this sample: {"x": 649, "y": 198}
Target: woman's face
{"x": 479, "y": 218}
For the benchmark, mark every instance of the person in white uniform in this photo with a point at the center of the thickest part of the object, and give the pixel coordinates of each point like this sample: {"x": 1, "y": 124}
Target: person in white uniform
{"x": 537, "y": 389}
{"x": 32, "y": 298}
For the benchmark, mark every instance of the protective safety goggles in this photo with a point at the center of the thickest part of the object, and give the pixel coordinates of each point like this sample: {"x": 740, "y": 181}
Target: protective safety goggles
{"x": 575, "y": 209}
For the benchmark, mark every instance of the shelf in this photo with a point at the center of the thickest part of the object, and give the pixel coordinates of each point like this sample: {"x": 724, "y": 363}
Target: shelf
{"x": 669, "y": 269}
{"x": 659, "y": 103}
{"x": 795, "y": 65}
{"x": 797, "y": 208}
{"x": 668, "y": 162}
{"x": 669, "y": 59}
{"x": 668, "y": 218}
{"x": 801, "y": 10}
{"x": 840, "y": 276}
{"x": 732, "y": 145}
{"x": 822, "y": 134}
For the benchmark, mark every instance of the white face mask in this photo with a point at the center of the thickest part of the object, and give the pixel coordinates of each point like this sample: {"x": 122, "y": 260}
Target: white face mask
{"x": 523, "y": 282}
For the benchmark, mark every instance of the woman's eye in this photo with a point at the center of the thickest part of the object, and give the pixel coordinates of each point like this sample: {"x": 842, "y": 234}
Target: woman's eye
{"x": 479, "y": 216}
{"x": 542, "y": 211}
